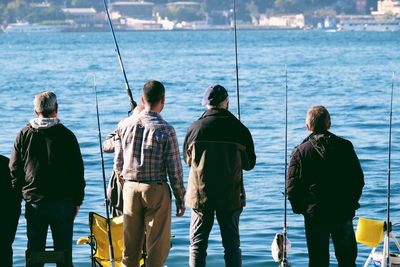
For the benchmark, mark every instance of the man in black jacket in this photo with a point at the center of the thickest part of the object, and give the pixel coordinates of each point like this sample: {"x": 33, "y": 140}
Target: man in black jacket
{"x": 217, "y": 148}
{"x": 47, "y": 167}
{"x": 324, "y": 183}
{"x": 10, "y": 214}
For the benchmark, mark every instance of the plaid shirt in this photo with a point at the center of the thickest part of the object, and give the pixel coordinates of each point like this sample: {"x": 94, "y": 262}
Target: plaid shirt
{"x": 146, "y": 149}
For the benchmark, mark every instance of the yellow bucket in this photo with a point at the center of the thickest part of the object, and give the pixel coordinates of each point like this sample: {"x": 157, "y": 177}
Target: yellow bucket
{"x": 369, "y": 232}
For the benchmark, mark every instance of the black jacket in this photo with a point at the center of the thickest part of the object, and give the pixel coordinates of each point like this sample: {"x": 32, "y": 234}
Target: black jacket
{"x": 46, "y": 164}
{"x": 325, "y": 179}
{"x": 8, "y": 196}
{"x": 217, "y": 147}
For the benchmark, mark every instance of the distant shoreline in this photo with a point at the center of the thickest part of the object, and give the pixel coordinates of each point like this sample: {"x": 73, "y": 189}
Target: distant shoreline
{"x": 217, "y": 28}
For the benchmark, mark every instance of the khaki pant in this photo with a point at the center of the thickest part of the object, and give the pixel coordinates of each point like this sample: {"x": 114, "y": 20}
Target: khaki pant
{"x": 147, "y": 209}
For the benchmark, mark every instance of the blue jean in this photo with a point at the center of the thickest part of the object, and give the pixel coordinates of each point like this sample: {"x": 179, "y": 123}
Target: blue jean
{"x": 318, "y": 235}
{"x": 59, "y": 215}
{"x": 201, "y": 224}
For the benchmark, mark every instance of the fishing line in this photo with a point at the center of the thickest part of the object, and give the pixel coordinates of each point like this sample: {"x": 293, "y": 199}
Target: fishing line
{"x": 284, "y": 253}
{"x": 111, "y": 249}
{"x": 388, "y": 222}
{"x": 236, "y": 58}
{"x": 133, "y": 104}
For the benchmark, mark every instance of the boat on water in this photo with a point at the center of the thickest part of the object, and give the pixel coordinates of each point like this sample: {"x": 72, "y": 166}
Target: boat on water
{"x": 369, "y": 23}
{"x": 26, "y": 27}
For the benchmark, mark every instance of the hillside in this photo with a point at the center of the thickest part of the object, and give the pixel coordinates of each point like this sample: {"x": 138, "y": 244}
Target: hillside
{"x": 34, "y": 11}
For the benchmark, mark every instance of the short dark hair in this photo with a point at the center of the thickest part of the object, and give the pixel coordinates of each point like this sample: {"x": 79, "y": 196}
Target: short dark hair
{"x": 318, "y": 119}
{"x": 153, "y": 92}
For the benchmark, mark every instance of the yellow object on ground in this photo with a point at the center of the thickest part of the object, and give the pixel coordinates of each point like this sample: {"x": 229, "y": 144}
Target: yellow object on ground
{"x": 369, "y": 232}
{"x": 99, "y": 240}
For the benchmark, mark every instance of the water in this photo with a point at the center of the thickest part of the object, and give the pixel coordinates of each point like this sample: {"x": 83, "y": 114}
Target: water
{"x": 349, "y": 73}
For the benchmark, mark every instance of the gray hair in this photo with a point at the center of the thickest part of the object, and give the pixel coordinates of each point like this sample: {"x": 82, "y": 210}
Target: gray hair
{"x": 223, "y": 104}
{"x": 318, "y": 119}
{"x": 45, "y": 103}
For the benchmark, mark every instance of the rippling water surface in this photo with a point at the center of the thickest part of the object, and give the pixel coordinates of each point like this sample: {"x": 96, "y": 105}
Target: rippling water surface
{"x": 349, "y": 73}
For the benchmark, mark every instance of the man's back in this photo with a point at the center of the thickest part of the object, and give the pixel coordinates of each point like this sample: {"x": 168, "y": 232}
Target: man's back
{"x": 149, "y": 151}
{"x": 47, "y": 164}
{"x": 217, "y": 147}
{"x": 331, "y": 178}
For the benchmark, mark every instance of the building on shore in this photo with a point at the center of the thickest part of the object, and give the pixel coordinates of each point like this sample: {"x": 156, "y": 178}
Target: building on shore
{"x": 81, "y": 16}
{"x": 386, "y": 18}
{"x": 135, "y": 10}
{"x": 292, "y": 21}
{"x": 388, "y": 7}
{"x": 368, "y": 23}
{"x": 184, "y": 4}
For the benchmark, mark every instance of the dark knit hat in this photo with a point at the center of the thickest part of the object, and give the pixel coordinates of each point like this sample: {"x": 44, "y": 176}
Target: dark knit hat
{"x": 214, "y": 95}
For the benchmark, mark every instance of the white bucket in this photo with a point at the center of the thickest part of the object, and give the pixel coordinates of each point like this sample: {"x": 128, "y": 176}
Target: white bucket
{"x": 394, "y": 260}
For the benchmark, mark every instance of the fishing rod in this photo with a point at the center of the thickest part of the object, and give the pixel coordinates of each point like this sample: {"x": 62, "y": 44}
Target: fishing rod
{"x": 111, "y": 249}
{"x": 133, "y": 104}
{"x": 386, "y": 252}
{"x": 236, "y": 58}
{"x": 284, "y": 261}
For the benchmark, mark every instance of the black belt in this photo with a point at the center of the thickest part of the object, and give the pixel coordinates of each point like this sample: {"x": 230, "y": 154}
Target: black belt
{"x": 146, "y": 182}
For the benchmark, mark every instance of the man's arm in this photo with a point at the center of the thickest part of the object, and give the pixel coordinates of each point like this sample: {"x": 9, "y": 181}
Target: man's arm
{"x": 356, "y": 174}
{"x": 118, "y": 154}
{"x": 175, "y": 173}
{"x": 16, "y": 165}
{"x": 78, "y": 174}
{"x": 295, "y": 192}
{"x": 250, "y": 153}
{"x": 186, "y": 145}
{"x": 108, "y": 144}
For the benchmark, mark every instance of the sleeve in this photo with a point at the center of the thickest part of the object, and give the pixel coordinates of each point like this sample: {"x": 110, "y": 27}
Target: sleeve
{"x": 294, "y": 187}
{"x": 174, "y": 168}
{"x": 118, "y": 154}
{"x": 186, "y": 150}
{"x": 357, "y": 176}
{"x": 108, "y": 144}
{"x": 250, "y": 161}
{"x": 7, "y": 195}
{"x": 16, "y": 165}
{"x": 79, "y": 172}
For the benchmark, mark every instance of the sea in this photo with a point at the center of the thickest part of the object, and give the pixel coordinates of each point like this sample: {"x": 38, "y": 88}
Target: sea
{"x": 351, "y": 73}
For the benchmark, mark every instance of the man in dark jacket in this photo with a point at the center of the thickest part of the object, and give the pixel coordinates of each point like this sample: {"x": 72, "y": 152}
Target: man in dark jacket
{"x": 46, "y": 166}
{"x": 10, "y": 214}
{"x": 217, "y": 148}
{"x": 324, "y": 183}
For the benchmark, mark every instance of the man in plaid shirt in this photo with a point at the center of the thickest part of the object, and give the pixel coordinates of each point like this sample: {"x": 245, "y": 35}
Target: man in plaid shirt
{"x": 146, "y": 150}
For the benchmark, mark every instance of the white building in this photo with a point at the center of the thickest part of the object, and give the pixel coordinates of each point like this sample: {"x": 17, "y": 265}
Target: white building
{"x": 81, "y": 15}
{"x": 136, "y": 10}
{"x": 388, "y": 7}
{"x": 184, "y": 4}
{"x": 283, "y": 21}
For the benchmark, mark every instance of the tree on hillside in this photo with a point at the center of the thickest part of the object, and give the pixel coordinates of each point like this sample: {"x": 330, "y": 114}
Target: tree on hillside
{"x": 297, "y": 6}
{"x": 15, "y": 10}
{"x": 48, "y": 14}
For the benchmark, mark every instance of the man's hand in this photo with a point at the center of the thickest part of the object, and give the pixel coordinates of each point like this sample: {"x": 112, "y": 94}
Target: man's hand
{"x": 121, "y": 181}
{"x": 180, "y": 211}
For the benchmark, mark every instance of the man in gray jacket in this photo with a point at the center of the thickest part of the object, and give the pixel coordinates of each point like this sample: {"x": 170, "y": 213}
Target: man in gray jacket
{"x": 217, "y": 148}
